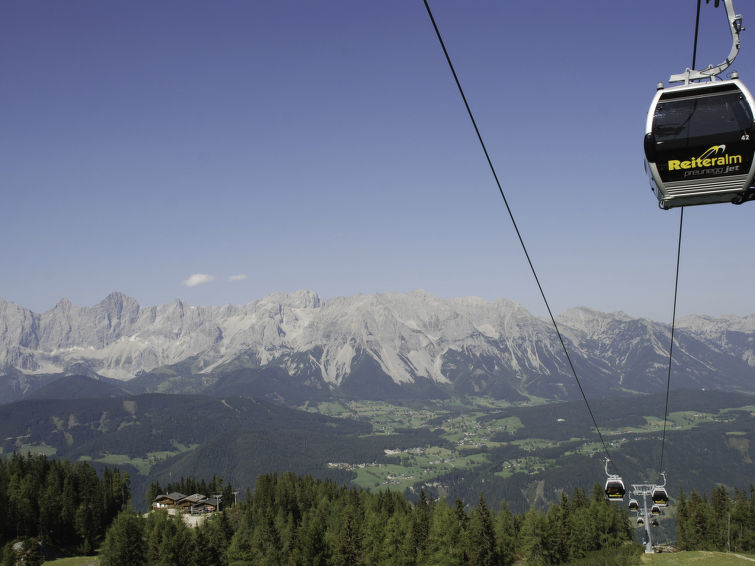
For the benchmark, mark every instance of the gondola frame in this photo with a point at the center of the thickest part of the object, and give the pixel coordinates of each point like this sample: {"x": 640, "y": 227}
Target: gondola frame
{"x": 615, "y": 489}
{"x": 660, "y": 496}
{"x": 707, "y": 189}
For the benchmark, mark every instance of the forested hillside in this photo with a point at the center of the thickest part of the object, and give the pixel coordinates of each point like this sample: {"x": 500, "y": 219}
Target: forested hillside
{"x": 452, "y": 449}
{"x": 156, "y": 437}
{"x": 301, "y": 520}
{"x": 55, "y": 506}
{"x": 64, "y": 505}
{"x": 721, "y": 522}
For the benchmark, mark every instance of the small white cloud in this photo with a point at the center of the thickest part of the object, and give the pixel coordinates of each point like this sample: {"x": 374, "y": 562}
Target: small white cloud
{"x": 237, "y": 277}
{"x": 198, "y": 279}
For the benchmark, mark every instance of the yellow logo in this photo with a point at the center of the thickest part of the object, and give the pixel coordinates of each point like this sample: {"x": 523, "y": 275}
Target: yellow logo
{"x": 714, "y": 156}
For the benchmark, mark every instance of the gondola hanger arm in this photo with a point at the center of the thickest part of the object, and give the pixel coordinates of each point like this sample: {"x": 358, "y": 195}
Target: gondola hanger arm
{"x": 609, "y": 474}
{"x": 735, "y": 26}
{"x": 663, "y": 474}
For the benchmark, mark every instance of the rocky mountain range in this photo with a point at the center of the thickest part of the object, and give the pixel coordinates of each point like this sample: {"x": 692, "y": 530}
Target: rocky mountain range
{"x": 368, "y": 346}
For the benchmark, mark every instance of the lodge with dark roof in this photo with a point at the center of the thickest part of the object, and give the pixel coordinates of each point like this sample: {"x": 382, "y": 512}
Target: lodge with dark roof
{"x": 193, "y": 504}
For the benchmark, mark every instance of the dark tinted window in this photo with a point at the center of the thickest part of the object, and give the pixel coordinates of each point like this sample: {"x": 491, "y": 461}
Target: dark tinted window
{"x": 685, "y": 118}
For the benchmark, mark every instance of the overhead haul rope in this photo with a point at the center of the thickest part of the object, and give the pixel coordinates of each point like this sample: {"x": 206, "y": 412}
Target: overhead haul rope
{"x": 676, "y": 279}
{"x": 516, "y": 228}
{"x": 671, "y": 346}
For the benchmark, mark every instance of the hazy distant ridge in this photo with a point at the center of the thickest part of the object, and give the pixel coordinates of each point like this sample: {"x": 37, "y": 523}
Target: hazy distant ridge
{"x": 468, "y": 345}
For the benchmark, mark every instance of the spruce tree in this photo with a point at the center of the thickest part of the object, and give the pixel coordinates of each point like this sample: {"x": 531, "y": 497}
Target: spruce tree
{"x": 720, "y": 505}
{"x": 240, "y": 552}
{"x": 534, "y": 538}
{"x": 741, "y": 534}
{"x": 124, "y": 544}
{"x": 447, "y": 544}
{"x": 684, "y": 540}
{"x": 348, "y": 550}
{"x": 483, "y": 549}
{"x": 311, "y": 546}
{"x": 420, "y": 525}
{"x": 506, "y": 535}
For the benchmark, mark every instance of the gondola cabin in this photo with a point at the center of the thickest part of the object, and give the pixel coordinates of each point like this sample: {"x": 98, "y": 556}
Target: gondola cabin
{"x": 615, "y": 489}
{"x": 660, "y": 496}
{"x": 654, "y": 523}
{"x": 633, "y": 505}
{"x": 640, "y": 521}
{"x": 699, "y": 144}
{"x": 656, "y": 510}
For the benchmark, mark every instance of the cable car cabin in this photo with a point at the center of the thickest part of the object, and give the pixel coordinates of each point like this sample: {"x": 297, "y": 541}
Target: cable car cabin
{"x": 699, "y": 144}
{"x": 654, "y": 523}
{"x": 660, "y": 496}
{"x": 640, "y": 521}
{"x": 615, "y": 489}
{"x": 633, "y": 505}
{"x": 656, "y": 510}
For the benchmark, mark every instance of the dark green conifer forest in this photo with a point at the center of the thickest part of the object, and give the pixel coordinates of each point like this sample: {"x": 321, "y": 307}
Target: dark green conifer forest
{"x": 291, "y": 519}
{"x": 61, "y": 504}
{"x": 301, "y": 520}
{"x": 722, "y": 523}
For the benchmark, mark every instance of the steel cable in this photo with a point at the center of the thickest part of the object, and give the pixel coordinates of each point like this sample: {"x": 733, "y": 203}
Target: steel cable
{"x": 676, "y": 278}
{"x": 516, "y": 228}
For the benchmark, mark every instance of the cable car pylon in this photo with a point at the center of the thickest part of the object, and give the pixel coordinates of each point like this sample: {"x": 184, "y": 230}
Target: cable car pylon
{"x": 647, "y": 515}
{"x": 644, "y": 514}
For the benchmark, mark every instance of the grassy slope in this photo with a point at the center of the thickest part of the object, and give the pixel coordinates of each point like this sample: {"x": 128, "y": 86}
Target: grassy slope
{"x": 73, "y": 561}
{"x": 701, "y": 558}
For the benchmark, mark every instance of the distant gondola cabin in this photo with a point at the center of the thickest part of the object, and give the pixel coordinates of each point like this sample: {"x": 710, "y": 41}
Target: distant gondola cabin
{"x": 615, "y": 489}
{"x": 660, "y": 496}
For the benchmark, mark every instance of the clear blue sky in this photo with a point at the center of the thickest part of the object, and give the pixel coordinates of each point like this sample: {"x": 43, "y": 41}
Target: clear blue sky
{"x": 324, "y": 146}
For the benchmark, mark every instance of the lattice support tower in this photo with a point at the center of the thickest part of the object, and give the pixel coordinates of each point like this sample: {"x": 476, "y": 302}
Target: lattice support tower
{"x": 645, "y": 489}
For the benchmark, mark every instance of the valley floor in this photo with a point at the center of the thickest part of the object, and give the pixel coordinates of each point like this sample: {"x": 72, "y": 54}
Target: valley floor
{"x": 528, "y": 453}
